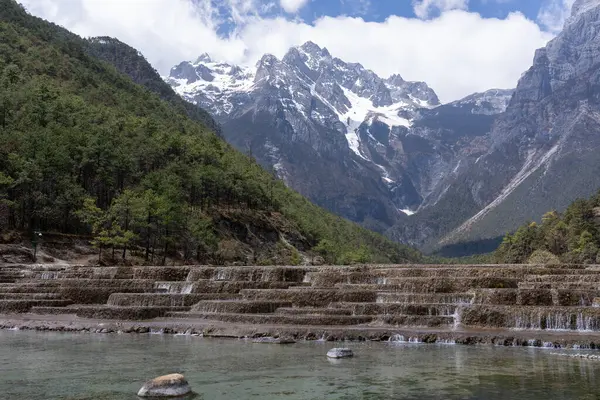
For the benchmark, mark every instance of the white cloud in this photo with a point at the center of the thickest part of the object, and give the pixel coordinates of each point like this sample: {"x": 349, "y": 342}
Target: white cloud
{"x": 292, "y": 6}
{"x": 424, "y": 8}
{"x": 554, "y": 13}
{"x": 457, "y": 53}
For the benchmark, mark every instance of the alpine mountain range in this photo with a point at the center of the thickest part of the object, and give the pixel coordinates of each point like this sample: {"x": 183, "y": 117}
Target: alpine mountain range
{"x": 385, "y": 153}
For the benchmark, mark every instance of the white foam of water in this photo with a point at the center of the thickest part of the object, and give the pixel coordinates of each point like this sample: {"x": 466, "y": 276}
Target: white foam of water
{"x": 221, "y": 275}
{"x": 403, "y": 339}
{"x": 555, "y": 321}
{"x": 446, "y": 341}
{"x": 457, "y": 318}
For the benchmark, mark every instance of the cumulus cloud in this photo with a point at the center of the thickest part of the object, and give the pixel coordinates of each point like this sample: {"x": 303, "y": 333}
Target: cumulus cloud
{"x": 456, "y": 53}
{"x": 292, "y": 6}
{"x": 554, "y": 13}
{"x": 424, "y": 8}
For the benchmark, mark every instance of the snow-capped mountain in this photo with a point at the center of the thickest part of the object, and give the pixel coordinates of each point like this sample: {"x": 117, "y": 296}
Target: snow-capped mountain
{"x": 369, "y": 148}
{"x": 318, "y": 111}
{"x": 309, "y": 81}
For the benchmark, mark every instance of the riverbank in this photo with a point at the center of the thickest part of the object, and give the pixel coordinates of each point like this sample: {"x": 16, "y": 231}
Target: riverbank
{"x": 216, "y": 329}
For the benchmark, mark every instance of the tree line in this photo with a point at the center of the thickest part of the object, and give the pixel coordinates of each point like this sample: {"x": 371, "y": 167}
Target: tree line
{"x": 570, "y": 237}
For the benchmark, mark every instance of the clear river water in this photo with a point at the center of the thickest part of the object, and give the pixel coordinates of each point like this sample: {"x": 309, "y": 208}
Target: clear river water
{"x": 81, "y": 366}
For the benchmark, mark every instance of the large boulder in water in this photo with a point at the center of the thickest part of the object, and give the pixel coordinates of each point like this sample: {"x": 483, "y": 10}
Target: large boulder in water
{"x": 340, "y": 353}
{"x": 173, "y": 385}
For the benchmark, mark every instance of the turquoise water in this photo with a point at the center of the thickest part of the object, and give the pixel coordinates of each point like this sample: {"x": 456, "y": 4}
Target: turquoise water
{"x": 102, "y": 367}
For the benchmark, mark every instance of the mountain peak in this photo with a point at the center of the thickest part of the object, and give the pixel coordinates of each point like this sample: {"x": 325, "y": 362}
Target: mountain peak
{"x": 310, "y": 47}
{"x": 267, "y": 60}
{"x": 395, "y": 79}
{"x": 204, "y": 58}
{"x": 314, "y": 49}
{"x": 580, "y": 7}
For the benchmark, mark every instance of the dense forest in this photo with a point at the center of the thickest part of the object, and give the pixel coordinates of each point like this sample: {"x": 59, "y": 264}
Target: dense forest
{"x": 571, "y": 237}
{"x": 85, "y": 150}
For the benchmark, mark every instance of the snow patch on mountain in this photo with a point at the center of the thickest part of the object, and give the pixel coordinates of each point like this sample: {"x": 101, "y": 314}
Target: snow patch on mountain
{"x": 362, "y": 110}
{"x": 215, "y": 81}
{"x": 491, "y": 102}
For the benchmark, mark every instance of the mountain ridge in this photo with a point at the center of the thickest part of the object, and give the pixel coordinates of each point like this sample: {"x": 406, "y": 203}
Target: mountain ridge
{"x": 339, "y": 117}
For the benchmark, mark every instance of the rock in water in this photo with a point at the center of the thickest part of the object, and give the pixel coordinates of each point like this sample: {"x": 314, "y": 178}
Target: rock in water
{"x": 340, "y": 353}
{"x": 173, "y": 385}
{"x": 271, "y": 340}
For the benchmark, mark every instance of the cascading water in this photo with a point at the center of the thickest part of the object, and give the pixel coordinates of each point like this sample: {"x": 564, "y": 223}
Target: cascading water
{"x": 175, "y": 287}
{"x": 222, "y": 275}
{"x": 307, "y": 278}
{"x": 457, "y": 318}
{"x": 556, "y": 320}
{"x": 432, "y": 298}
{"x": 47, "y": 275}
{"x": 403, "y": 339}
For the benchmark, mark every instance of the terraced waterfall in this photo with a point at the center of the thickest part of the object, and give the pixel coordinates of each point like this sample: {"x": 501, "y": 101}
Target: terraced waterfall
{"x": 531, "y": 303}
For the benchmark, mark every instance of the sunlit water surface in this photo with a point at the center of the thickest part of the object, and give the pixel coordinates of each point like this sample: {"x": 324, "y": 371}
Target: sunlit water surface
{"x": 101, "y": 367}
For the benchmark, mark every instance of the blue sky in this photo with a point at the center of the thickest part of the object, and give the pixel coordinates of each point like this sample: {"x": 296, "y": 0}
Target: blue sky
{"x": 457, "y": 46}
{"x": 379, "y": 10}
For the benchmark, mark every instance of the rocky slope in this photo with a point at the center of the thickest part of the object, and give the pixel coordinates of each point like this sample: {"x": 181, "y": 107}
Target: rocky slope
{"x": 370, "y": 149}
{"x": 543, "y": 150}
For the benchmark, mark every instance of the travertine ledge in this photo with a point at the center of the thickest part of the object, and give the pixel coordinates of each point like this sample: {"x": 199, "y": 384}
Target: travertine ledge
{"x": 533, "y": 305}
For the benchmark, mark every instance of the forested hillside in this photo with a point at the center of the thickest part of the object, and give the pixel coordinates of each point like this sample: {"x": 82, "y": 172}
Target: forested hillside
{"x": 572, "y": 236}
{"x": 85, "y": 150}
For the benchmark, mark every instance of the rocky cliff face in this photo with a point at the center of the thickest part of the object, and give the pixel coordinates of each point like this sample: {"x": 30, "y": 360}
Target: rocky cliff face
{"x": 368, "y": 148}
{"x": 543, "y": 151}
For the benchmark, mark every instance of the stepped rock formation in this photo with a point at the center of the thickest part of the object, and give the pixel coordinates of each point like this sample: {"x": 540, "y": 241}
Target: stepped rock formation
{"x": 367, "y": 148}
{"x": 436, "y": 301}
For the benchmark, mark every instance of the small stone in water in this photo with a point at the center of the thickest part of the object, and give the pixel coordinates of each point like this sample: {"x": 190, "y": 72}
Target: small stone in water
{"x": 173, "y": 385}
{"x": 272, "y": 340}
{"x": 339, "y": 353}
